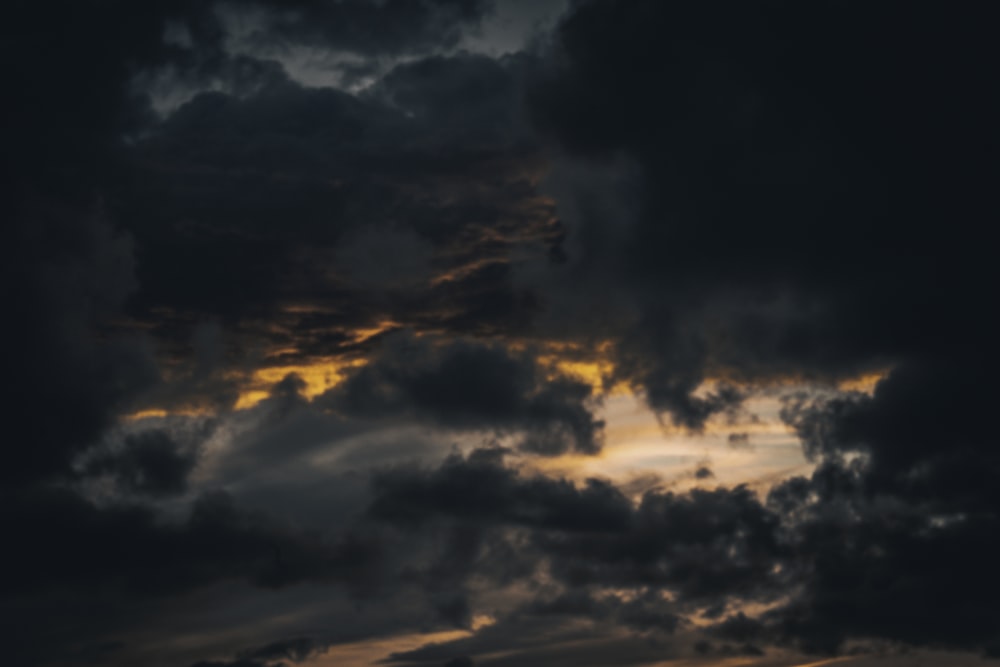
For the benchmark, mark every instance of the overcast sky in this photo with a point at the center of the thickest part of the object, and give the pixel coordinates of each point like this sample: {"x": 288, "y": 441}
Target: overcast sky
{"x": 459, "y": 333}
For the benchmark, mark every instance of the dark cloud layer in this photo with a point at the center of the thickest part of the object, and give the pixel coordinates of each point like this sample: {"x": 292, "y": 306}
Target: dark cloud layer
{"x": 274, "y": 199}
{"x": 68, "y": 547}
{"x": 805, "y": 186}
{"x": 700, "y": 545}
{"x": 915, "y": 503}
{"x": 717, "y": 196}
{"x": 482, "y": 489}
{"x": 473, "y": 386}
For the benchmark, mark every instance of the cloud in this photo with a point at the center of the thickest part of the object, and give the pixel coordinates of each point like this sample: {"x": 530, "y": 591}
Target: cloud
{"x": 386, "y": 258}
{"x": 898, "y": 500}
{"x": 720, "y": 199}
{"x": 482, "y": 489}
{"x": 700, "y": 545}
{"x": 71, "y": 272}
{"x": 475, "y": 386}
{"x": 739, "y": 441}
{"x": 762, "y": 231}
{"x": 292, "y": 203}
{"x": 150, "y": 463}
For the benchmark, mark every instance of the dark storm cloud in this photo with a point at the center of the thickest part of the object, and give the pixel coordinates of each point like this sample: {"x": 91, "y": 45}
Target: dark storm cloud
{"x": 256, "y": 186}
{"x": 901, "y": 497}
{"x": 91, "y": 55}
{"x": 403, "y": 203}
{"x": 575, "y": 543}
{"x": 234, "y": 223}
{"x": 805, "y": 185}
{"x": 862, "y": 549}
{"x": 749, "y": 192}
{"x": 72, "y": 266}
{"x": 222, "y": 201}
{"x": 925, "y": 433}
{"x": 472, "y": 386}
{"x": 701, "y": 545}
{"x": 482, "y": 489}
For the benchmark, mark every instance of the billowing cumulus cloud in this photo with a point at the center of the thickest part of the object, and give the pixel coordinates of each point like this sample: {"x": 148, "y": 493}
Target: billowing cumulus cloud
{"x": 467, "y": 385}
{"x": 790, "y": 210}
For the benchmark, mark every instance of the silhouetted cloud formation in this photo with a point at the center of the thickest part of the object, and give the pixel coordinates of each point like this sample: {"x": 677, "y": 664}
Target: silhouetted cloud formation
{"x": 798, "y": 205}
{"x": 316, "y": 312}
{"x": 472, "y": 386}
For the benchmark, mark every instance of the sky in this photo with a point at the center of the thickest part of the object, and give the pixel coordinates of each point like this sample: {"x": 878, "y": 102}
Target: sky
{"x": 474, "y": 333}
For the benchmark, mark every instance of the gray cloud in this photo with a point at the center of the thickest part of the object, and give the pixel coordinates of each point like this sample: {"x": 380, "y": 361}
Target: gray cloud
{"x": 715, "y": 192}
{"x": 472, "y": 386}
